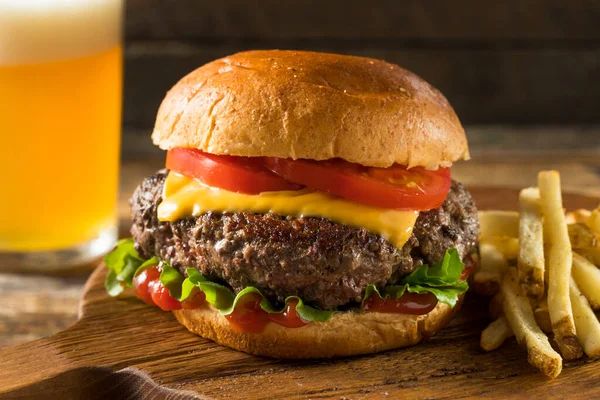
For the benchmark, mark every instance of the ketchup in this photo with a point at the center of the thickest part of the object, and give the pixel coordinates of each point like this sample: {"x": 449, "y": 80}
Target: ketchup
{"x": 413, "y": 303}
{"x": 143, "y": 282}
{"x": 248, "y": 316}
{"x": 162, "y": 298}
{"x": 470, "y": 266}
{"x": 289, "y": 317}
{"x": 408, "y": 303}
{"x": 150, "y": 290}
{"x": 196, "y": 300}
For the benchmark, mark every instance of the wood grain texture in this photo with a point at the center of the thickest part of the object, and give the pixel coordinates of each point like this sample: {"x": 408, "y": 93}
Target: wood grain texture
{"x": 512, "y": 61}
{"x": 484, "y": 85}
{"x": 34, "y": 306}
{"x": 388, "y": 19}
{"x": 91, "y": 358}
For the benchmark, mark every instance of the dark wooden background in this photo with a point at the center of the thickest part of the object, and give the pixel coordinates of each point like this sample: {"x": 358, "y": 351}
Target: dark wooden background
{"x": 499, "y": 62}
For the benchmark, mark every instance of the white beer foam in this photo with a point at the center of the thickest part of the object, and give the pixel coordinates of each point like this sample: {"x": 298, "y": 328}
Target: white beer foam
{"x": 35, "y": 31}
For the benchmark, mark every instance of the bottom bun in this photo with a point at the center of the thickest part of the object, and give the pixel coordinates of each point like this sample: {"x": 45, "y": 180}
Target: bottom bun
{"x": 345, "y": 334}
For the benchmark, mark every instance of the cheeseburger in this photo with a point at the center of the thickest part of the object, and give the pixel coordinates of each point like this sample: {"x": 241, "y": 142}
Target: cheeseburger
{"x": 306, "y": 209}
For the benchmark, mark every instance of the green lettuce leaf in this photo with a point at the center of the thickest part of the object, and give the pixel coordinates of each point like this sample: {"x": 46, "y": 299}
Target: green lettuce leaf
{"x": 112, "y": 285}
{"x": 448, "y": 271}
{"x": 224, "y": 300}
{"x": 220, "y": 296}
{"x": 448, "y": 294}
{"x": 442, "y": 279}
{"x": 172, "y": 280}
{"x": 389, "y": 292}
{"x": 190, "y": 283}
{"x": 305, "y": 312}
{"x": 123, "y": 264}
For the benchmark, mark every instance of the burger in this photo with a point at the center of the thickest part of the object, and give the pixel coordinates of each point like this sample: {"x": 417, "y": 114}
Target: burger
{"x": 306, "y": 209}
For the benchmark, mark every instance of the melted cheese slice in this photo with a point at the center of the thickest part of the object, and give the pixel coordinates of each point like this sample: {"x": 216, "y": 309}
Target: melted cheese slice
{"x": 184, "y": 197}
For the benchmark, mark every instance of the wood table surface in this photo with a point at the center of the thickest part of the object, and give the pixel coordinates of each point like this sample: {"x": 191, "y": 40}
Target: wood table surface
{"x": 38, "y": 305}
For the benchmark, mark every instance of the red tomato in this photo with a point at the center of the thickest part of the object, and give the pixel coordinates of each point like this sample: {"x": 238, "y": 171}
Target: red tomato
{"x": 162, "y": 298}
{"x": 289, "y": 317}
{"x": 236, "y": 174}
{"x": 248, "y": 316}
{"x": 142, "y": 281}
{"x": 394, "y": 187}
{"x": 196, "y": 300}
{"x": 408, "y": 303}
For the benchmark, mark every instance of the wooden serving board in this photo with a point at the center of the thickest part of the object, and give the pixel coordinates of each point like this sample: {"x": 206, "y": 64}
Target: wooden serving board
{"x": 121, "y": 348}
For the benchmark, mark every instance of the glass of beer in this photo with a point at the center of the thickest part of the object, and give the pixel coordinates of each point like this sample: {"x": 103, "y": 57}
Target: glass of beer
{"x": 60, "y": 124}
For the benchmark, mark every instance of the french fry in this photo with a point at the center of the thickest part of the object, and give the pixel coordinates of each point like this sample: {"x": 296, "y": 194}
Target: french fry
{"x": 521, "y": 320}
{"x": 508, "y": 246}
{"x": 578, "y": 216}
{"x": 593, "y": 220}
{"x": 587, "y": 277}
{"x": 581, "y": 236}
{"x": 495, "y": 334}
{"x": 498, "y": 224}
{"x": 586, "y": 323}
{"x": 555, "y": 253}
{"x": 542, "y": 316}
{"x": 559, "y": 266}
{"x": 591, "y": 253}
{"x": 531, "y": 242}
{"x": 492, "y": 267}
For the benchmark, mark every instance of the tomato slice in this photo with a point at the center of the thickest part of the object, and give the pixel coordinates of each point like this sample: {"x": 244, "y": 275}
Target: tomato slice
{"x": 236, "y": 174}
{"x": 394, "y": 187}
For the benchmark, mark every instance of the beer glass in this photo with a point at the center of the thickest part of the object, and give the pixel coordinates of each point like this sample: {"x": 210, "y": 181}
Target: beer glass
{"x": 60, "y": 123}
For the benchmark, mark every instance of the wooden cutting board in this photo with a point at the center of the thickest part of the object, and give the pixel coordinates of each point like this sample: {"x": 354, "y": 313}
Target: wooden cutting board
{"x": 121, "y": 348}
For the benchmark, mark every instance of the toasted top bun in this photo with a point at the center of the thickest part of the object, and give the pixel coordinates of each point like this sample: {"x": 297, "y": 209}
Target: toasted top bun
{"x": 297, "y": 104}
{"x": 345, "y": 334}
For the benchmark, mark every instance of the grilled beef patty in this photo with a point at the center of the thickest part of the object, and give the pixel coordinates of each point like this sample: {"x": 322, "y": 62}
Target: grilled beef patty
{"x": 325, "y": 263}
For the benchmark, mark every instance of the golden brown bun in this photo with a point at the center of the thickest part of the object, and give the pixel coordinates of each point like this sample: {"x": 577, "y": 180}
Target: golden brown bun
{"x": 345, "y": 334}
{"x": 296, "y": 104}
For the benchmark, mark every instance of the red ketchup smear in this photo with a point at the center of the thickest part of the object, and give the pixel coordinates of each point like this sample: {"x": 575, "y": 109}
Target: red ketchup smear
{"x": 150, "y": 290}
{"x": 470, "y": 266}
{"x": 413, "y": 303}
{"x": 196, "y": 300}
{"x": 248, "y": 316}
{"x": 144, "y": 281}
{"x": 408, "y": 303}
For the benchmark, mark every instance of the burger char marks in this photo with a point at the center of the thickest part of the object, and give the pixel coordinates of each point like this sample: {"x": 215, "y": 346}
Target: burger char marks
{"x": 324, "y": 263}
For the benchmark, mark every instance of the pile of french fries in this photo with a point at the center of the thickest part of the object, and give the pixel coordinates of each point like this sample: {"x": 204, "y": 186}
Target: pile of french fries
{"x": 542, "y": 269}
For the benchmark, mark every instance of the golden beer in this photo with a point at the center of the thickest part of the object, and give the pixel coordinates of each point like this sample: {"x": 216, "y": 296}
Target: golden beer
{"x": 60, "y": 121}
